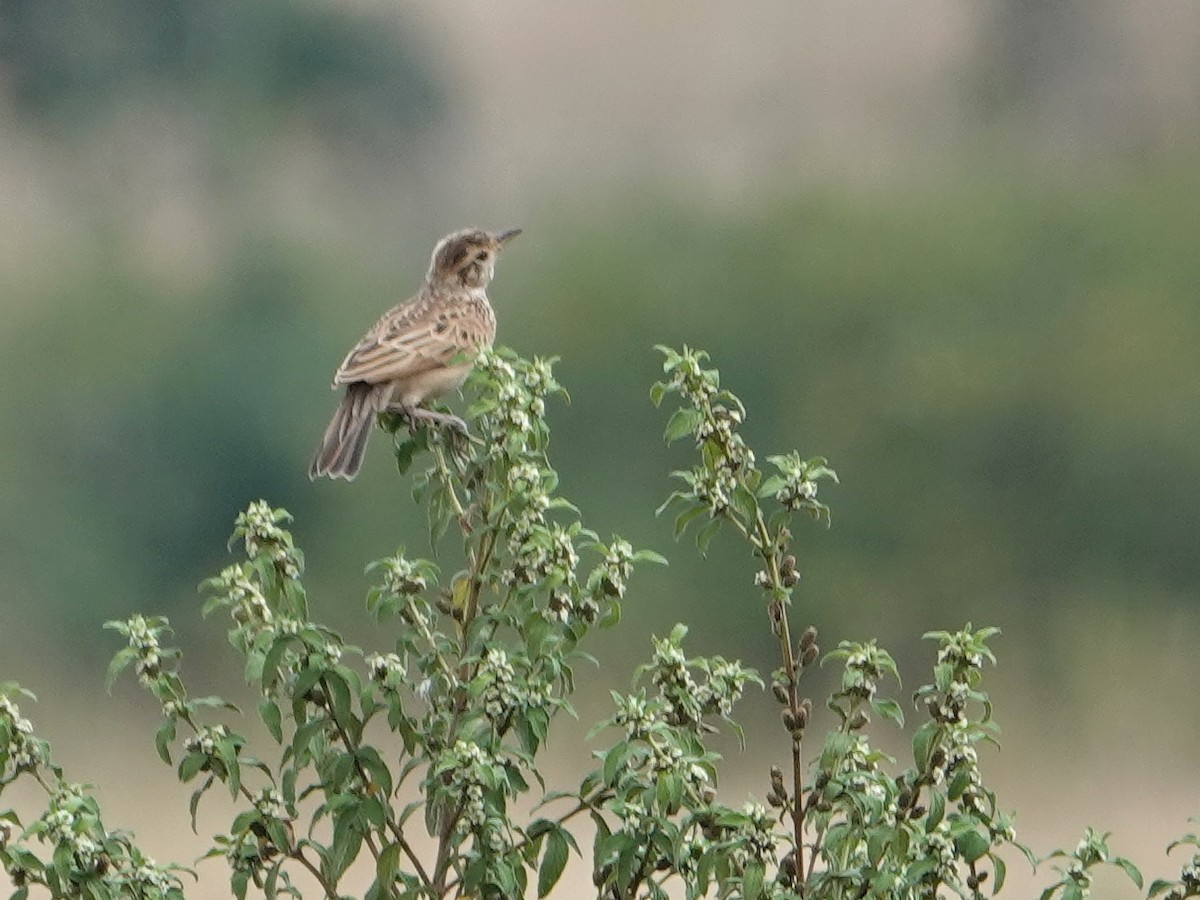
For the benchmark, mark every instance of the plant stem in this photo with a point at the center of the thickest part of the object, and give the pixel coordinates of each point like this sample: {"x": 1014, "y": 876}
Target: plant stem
{"x": 329, "y": 889}
{"x": 442, "y": 866}
{"x": 766, "y": 547}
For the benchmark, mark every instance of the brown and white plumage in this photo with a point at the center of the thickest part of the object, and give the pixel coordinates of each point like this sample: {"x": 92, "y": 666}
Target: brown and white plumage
{"x": 414, "y": 352}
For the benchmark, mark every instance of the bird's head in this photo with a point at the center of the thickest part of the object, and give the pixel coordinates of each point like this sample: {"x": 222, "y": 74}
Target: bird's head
{"x": 468, "y": 257}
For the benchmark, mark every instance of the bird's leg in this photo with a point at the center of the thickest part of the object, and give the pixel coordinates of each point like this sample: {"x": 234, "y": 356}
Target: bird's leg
{"x": 417, "y": 414}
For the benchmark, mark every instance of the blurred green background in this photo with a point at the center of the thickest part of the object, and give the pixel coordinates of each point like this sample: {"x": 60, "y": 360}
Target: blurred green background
{"x": 951, "y": 247}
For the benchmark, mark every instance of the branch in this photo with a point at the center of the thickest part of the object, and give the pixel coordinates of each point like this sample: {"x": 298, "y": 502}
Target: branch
{"x": 330, "y": 890}
{"x": 766, "y": 546}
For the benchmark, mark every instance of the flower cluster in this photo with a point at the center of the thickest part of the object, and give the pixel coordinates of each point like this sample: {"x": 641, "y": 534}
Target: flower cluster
{"x": 18, "y": 746}
{"x": 471, "y": 773}
{"x": 387, "y": 671}
{"x": 864, "y": 777}
{"x": 960, "y": 660}
{"x": 72, "y": 820}
{"x": 687, "y": 700}
{"x": 259, "y": 525}
{"x": 670, "y": 674}
{"x": 635, "y": 714}
{"x": 865, "y": 665}
{"x": 712, "y": 417}
{"x": 610, "y": 577}
{"x": 404, "y": 577}
{"x": 547, "y": 556}
{"x": 270, "y": 804}
{"x": 518, "y": 401}
{"x": 757, "y": 831}
{"x": 528, "y": 485}
{"x": 538, "y": 377}
{"x": 497, "y": 679}
{"x": 1090, "y": 851}
{"x": 1189, "y": 878}
{"x": 938, "y": 847}
{"x": 145, "y": 650}
{"x": 795, "y": 487}
{"x": 719, "y": 428}
{"x": 713, "y": 486}
{"x": 152, "y": 879}
{"x": 206, "y": 740}
{"x": 685, "y": 374}
{"x": 668, "y": 758}
{"x": 235, "y": 588}
{"x": 964, "y": 650}
{"x": 632, "y": 813}
{"x": 962, "y": 762}
{"x": 724, "y": 687}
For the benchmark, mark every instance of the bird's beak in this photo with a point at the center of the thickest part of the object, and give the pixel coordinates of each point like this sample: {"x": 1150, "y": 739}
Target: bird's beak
{"x": 504, "y": 237}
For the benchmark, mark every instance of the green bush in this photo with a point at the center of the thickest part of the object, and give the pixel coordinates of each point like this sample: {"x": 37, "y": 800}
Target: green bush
{"x": 437, "y": 739}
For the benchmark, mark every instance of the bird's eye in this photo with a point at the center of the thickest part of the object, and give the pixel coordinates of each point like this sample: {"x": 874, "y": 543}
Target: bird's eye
{"x": 482, "y": 255}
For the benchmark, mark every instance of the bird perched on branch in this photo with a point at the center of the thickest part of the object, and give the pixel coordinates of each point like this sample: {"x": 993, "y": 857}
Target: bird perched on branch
{"x": 415, "y": 351}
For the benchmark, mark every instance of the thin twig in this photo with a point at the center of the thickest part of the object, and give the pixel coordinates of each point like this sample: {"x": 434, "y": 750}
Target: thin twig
{"x": 765, "y": 545}
{"x": 330, "y": 890}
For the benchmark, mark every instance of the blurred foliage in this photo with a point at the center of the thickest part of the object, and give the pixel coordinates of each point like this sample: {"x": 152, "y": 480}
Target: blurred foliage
{"x": 1006, "y": 372}
{"x": 1005, "y": 367}
{"x": 71, "y": 63}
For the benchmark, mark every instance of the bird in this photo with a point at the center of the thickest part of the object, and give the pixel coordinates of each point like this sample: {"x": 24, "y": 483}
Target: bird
{"x": 416, "y": 351}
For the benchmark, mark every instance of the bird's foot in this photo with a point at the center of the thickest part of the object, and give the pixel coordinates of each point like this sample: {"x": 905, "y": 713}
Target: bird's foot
{"x": 417, "y": 414}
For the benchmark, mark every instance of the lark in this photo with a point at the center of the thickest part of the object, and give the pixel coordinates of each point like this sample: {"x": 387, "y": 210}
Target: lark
{"x": 416, "y": 351}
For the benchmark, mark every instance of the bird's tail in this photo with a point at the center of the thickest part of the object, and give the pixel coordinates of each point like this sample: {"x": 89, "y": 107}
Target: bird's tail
{"x": 341, "y": 452}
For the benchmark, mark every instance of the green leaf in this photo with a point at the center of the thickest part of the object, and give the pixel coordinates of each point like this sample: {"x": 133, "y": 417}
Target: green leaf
{"x": 387, "y": 866}
{"x": 614, "y": 762}
{"x": 270, "y": 671}
{"x": 889, "y": 709}
{"x": 1129, "y": 869}
{"x": 771, "y": 485}
{"x": 163, "y": 738}
{"x": 194, "y": 803}
{"x": 304, "y": 736}
{"x": 226, "y": 751}
{"x": 688, "y": 516}
{"x": 238, "y": 882}
{"x": 744, "y": 504}
{"x": 340, "y": 695}
{"x": 651, "y": 557}
{"x": 752, "y": 881}
{"x": 191, "y": 765}
{"x": 406, "y": 452}
{"x": 268, "y": 709}
{"x": 682, "y": 422}
{"x": 923, "y": 742}
{"x": 937, "y": 810}
{"x": 554, "y": 860}
{"x": 705, "y": 535}
{"x": 669, "y": 793}
{"x": 1158, "y": 886}
{"x": 347, "y": 841}
{"x": 120, "y": 661}
{"x": 878, "y": 840}
{"x": 1000, "y": 871}
{"x": 370, "y": 760}
{"x": 971, "y": 845}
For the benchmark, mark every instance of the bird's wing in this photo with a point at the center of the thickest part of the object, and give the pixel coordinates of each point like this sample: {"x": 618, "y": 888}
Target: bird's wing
{"x": 409, "y": 339}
